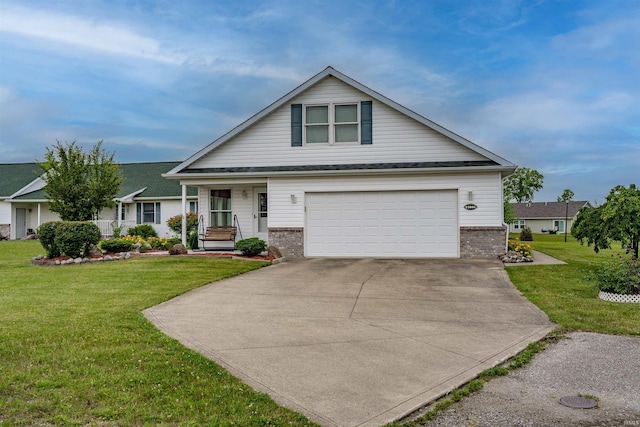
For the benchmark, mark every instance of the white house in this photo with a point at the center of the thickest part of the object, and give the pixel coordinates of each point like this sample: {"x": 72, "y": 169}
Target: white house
{"x": 144, "y": 198}
{"x": 334, "y": 168}
{"x": 545, "y": 217}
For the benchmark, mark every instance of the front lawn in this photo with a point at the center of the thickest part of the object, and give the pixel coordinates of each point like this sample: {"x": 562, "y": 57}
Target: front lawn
{"x": 75, "y": 348}
{"x": 563, "y": 292}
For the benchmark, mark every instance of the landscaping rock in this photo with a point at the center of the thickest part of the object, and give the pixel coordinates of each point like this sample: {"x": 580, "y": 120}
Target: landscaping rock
{"x": 178, "y": 249}
{"x": 136, "y": 247}
{"x": 274, "y": 252}
{"x": 515, "y": 257}
{"x": 77, "y": 260}
{"x": 108, "y": 258}
{"x": 58, "y": 262}
{"x": 94, "y": 251}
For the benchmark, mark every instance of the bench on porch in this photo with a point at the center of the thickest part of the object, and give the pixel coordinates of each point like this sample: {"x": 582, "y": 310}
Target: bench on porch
{"x": 218, "y": 233}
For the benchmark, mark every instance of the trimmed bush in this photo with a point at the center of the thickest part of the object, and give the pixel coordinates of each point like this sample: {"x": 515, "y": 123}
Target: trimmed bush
{"x": 46, "y": 233}
{"x": 143, "y": 230}
{"x": 70, "y": 238}
{"x": 115, "y": 245}
{"x": 251, "y": 246}
{"x": 526, "y": 235}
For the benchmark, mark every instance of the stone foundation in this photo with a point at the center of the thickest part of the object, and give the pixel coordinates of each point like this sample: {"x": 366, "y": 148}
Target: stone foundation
{"x": 482, "y": 242}
{"x": 5, "y": 230}
{"x": 289, "y": 240}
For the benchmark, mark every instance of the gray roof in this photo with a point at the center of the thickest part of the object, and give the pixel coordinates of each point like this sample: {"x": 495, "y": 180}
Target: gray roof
{"x": 547, "y": 210}
{"x": 331, "y": 72}
{"x": 341, "y": 167}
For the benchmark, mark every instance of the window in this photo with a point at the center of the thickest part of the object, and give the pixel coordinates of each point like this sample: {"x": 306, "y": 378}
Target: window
{"x": 220, "y": 212}
{"x": 317, "y": 124}
{"x": 148, "y": 213}
{"x": 558, "y": 225}
{"x": 333, "y": 123}
{"x": 519, "y": 224}
{"x": 346, "y": 123}
{"x": 193, "y": 207}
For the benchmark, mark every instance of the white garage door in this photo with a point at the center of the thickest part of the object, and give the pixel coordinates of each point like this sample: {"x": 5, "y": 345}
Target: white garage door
{"x": 382, "y": 224}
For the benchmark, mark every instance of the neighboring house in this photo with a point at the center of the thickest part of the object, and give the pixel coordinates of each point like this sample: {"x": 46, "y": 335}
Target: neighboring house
{"x": 144, "y": 198}
{"x": 542, "y": 217}
{"x": 333, "y": 168}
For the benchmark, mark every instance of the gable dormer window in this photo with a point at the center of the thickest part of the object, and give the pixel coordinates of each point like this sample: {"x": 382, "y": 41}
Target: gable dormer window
{"x": 335, "y": 123}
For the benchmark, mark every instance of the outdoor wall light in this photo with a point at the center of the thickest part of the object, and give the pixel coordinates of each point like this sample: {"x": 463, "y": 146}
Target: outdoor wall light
{"x": 470, "y": 196}
{"x": 294, "y": 200}
{"x": 244, "y": 194}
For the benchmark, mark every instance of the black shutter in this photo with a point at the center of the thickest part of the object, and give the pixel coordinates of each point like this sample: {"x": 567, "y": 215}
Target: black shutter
{"x": 366, "y": 127}
{"x": 157, "y": 212}
{"x": 138, "y": 213}
{"x": 296, "y": 125}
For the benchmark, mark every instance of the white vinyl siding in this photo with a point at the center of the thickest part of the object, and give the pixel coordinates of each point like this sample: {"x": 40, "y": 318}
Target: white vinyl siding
{"x": 382, "y": 224}
{"x": 486, "y": 189}
{"x": 396, "y": 138}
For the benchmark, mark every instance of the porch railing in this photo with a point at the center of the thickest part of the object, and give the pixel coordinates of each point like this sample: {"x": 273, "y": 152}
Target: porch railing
{"x": 106, "y": 226}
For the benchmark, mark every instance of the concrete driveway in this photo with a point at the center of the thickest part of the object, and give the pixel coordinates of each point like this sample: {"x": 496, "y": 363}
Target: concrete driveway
{"x": 356, "y": 342}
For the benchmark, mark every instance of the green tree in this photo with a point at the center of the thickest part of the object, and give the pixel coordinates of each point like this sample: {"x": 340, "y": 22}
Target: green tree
{"x": 618, "y": 218}
{"x": 522, "y": 184}
{"x": 567, "y": 195}
{"x": 78, "y": 184}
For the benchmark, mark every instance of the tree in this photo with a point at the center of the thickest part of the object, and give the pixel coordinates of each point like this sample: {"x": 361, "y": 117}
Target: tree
{"x": 567, "y": 195}
{"x": 618, "y": 218}
{"x": 78, "y": 184}
{"x": 521, "y": 185}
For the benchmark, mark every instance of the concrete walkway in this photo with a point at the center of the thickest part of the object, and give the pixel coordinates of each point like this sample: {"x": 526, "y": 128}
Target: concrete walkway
{"x": 357, "y": 342}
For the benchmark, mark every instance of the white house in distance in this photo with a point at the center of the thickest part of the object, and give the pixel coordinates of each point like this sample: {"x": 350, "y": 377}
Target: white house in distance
{"x": 145, "y": 197}
{"x": 336, "y": 169}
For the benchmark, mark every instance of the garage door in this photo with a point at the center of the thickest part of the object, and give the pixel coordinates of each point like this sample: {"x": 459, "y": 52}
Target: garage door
{"x": 382, "y": 224}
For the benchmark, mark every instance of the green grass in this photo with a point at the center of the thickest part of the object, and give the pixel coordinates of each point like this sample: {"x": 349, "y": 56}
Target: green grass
{"x": 75, "y": 348}
{"x": 563, "y": 292}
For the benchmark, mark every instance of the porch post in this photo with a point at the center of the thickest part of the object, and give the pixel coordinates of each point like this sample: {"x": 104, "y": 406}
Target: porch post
{"x": 38, "y": 215}
{"x": 119, "y": 214}
{"x": 184, "y": 215}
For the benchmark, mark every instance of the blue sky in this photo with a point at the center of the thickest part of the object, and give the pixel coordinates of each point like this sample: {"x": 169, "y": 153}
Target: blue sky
{"x": 549, "y": 85}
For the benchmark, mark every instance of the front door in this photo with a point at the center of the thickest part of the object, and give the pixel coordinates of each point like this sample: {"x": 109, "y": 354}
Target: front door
{"x": 260, "y": 213}
{"x": 21, "y": 222}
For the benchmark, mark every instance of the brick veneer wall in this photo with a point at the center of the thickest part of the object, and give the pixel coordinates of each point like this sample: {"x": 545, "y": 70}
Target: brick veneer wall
{"x": 289, "y": 240}
{"x": 482, "y": 242}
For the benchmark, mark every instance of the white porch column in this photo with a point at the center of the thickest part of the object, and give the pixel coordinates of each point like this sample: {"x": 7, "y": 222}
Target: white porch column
{"x": 39, "y": 212}
{"x": 119, "y": 214}
{"x": 184, "y": 215}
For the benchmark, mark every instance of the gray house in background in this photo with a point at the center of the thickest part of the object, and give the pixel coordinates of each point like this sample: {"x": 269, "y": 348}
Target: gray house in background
{"x": 542, "y": 217}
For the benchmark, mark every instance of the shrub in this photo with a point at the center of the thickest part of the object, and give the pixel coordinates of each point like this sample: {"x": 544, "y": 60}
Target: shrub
{"x": 143, "y": 230}
{"x": 526, "y": 235}
{"x": 115, "y": 245}
{"x": 46, "y": 233}
{"x": 175, "y": 223}
{"x": 620, "y": 276}
{"x": 69, "y": 238}
{"x": 251, "y": 246}
{"x": 75, "y": 239}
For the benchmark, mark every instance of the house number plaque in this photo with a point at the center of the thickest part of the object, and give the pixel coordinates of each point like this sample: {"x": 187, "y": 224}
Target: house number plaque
{"x": 470, "y": 207}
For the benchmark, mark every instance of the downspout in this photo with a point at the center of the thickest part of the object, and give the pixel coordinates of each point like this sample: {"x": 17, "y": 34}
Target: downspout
{"x": 504, "y": 224}
{"x": 184, "y": 215}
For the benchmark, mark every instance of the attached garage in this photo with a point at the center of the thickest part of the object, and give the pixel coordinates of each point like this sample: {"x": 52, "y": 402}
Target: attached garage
{"x": 382, "y": 224}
